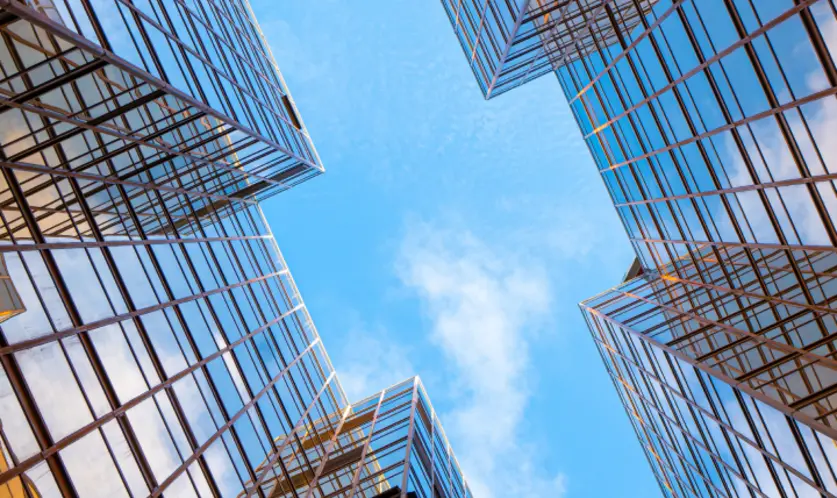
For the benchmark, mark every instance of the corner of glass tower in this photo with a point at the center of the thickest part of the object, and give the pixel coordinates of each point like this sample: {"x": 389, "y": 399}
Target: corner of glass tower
{"x": 511, "y": 42}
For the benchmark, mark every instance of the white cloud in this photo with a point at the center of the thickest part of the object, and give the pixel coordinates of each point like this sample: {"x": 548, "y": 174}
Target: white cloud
{"x": 483, "y": 306}
{"x": 370, "y": 362}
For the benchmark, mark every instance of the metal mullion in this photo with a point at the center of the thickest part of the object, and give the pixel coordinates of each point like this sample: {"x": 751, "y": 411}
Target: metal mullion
{"x": 822, "y": 210}
{"x": 494, "y": 52}
{"x": 81, "y": 126}
{"x": 782, "y": 122}
{"x": 410, "y": 435}
{"x": 759, "y": 445}
{"x": 764, "y": 199}
{"x": 89, "y": 347}
{"x": 196, "y": 40}
{"x": 543, "y": 10}
{"x": 219, "y": 38}
{"x": 55, "y": 82}
{"x": 234, "y": 26}
{"x": 223, "y": 278}
{"x": 172, "y": 39}
{"x": 699, "y": 419}
{"x": 769, "y": 437}
{"x": 192, "y": 132}
{"x": 658, "y": 122}
{"x": 646, "y": 403}
{"x": 671, "y": 461}
{"x": 825, "y": 60}
{"x": 263, "y": 107}
{"x": 42, "y": 340}
{"x": 262, "y": 63}
{"x": 819, "y": 45}
{"x": 119, "y": 63}
{"x": 782, "y": 378}
{"x": 825, "y": 429}
{"x": 741, "y": 245}
{"x": 577, "y": 30}
{"x": 218, "y": 324}
{"x": 261, "y": 312}
{"x": 734, "y": 344}
{"x": 692, "y": 128}
{"x": 278, "y": 453}
{"x": 126, "y": 149}
{"x": 726, "y": 428}
{"x": 675, "y": 5}
{"x": 678, "y": 419}
{"x": 143, "y": 333}
{"x": 596, "y": 326}
{"x": 324, "y": 459}
{"x": 248, "y": 30}
{"x": 36, "y": 422}
{"x": 591, "y": 115}
{"x": 190, "y": 338}
{"x": 806, "y": 453}
{"x": 489, "y": 87}
{"x": 72, "y": 311}
{"x": 779, "y": 319}
{"x": 143, "y": 34}
{"x": 228, "y": 427}
{"x": 293, "y": 381}
{"x": 64, "y": 207}
{"x": 362, "y": 459}
{"x": 6, "y": 248}
{"x": 731, "y": 125}
{"x": 714, "y": 457}
{"x": 765, "y": 298}
{"x": 479, "y": 33}
{"x": 737, "y": 388}
{"x": 743, "y": 41}
{"x": 12, "y": 368}
{"x": 99, "y": 129}
{"x": 770, "y": 343}
{"x": 828, "y": 177}
{"x": 291, "y": 345}
{"x": 546, "y": 27}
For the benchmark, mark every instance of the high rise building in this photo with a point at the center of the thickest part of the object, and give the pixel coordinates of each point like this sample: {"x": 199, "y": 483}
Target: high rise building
{"x": 711, "y": 124}
{"x": 153, "y": 342}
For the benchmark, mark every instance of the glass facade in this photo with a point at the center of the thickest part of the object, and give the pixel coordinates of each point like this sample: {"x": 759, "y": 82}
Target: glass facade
{"x": 389, "y": 444}
{"x": 712, "y": 126}
{"x": 730, "y": 392}
{"x": 153, "y": 342}
{"x": 510, "y": 42}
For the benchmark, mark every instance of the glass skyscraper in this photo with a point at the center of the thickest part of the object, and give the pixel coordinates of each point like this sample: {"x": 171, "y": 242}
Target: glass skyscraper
{"x": 712, "y": 126}
{"x": 152, "y": 340}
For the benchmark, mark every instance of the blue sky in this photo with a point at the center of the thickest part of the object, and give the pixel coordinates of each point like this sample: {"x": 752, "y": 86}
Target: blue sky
{"x": 453, "y": 238}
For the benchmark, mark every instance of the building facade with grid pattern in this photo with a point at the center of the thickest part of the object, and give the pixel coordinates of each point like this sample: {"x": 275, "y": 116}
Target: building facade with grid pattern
{"x": 390, "y": 444}
{"x": 711, "y": 123}
{"x": 152, "y": 340}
